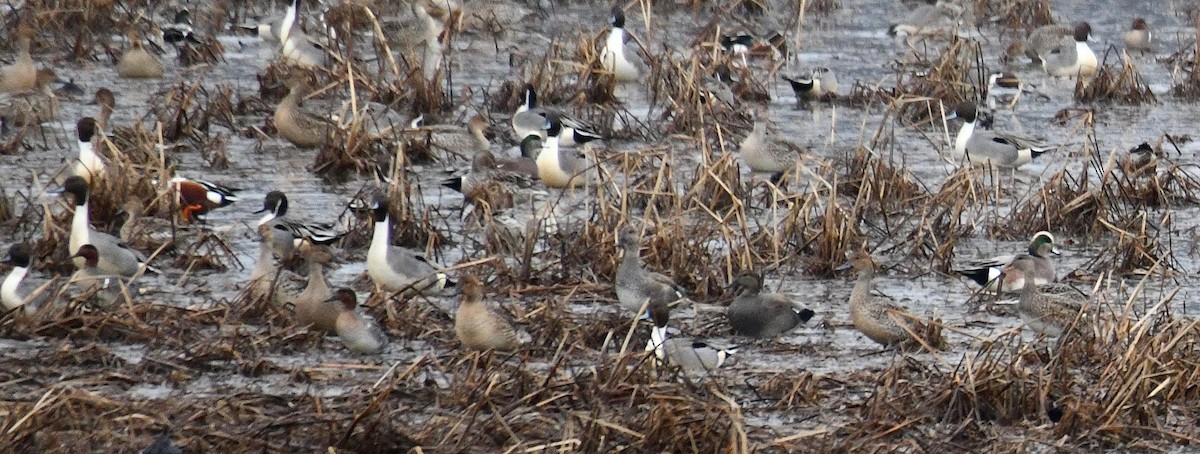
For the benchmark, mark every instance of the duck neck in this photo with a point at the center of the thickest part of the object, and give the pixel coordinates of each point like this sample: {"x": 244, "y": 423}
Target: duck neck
{"x": 79, "y": 223}
{"x": 658, "y": 337}
{"x": 862, "y": 286}
{"x": 8, "y": 290}
{"x": 265, "y": 266}
{"x": 380, "y": 239}
{"x": 316, "y": 279}
{"x": 964, "y": 135}
{"x": 631, "y": 263}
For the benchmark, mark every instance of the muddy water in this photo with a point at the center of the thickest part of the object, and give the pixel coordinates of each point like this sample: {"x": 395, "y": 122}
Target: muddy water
{"x": 852, "y": 41}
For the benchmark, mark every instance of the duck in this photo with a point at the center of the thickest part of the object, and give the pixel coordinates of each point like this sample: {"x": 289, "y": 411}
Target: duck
{"x": 90, "y": 279}
{"x": 357, "y": 332}
{"x": 267, "y": 279}
{"x": 180, "y": 29}
{"x": 488, "y": 171}
{"x": 1071, "y": 56}
{"x": 1050, "y": 315}
{"x": 394, "y": 268}
{"x": 557, "y": 167}
{"x": 819, "y": 83}
{"x": 115, "y": 257}
{"x": 137, "y": 62}
{"x": 1042, "y": 272}
{"x": 31, "y": 107}
{"x": 766, "y": 152}
{"x": 303, "y": 129}
{"x": 412, "y": 29}
{"x": 691, "y": 356}
{"x": 455, "y": 139}
{"x": 107, "y": 101}
{"x": 13, "y": 295}
{"x": 296, "y": 47}
{"x": 617, "y": 57}
{"x": 198, "y": 197}
{"x": 1138, "y": 37}
{"x": 991, "y": 148}
{"x": 637, "y": 288}
{"x": 761, "y": 315}
{"x": 90, "y": 166}
{"x": 311, "y": 304}
{"x": 68, "y": 89}
{"x": 275, "y": 205}
{"x": 21, "y": 75}
{"x": 477, "y": 327}
{"x": 877, "y": 319}
{"x": 936, "y": 19}
{"x": 530, "y": 119}
{"x": 1004, "y": 88}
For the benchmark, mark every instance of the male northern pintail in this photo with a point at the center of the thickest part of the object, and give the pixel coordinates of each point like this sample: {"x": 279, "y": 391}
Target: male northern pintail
{"x": 876, "y": 318}
{"x": 757, "y": 314}
{"x": 617, "y": 56}
{"x": 311, "y": 304}
{"x": 13, "y": 293}
{"x": 295, "y": 46}
{"x": 487, "y": 172}
{"x": 21, "y": 74}
{"x": 638, "y": 288}
{"x": 1003, "y": 89}
{"x": 984, "y": 147}
{"x": 764, "y": 151}
{"x": 358, "y": 332}
{"x": 275, "y": 205}
{"x": 560, "y": 167}
{"x": 477, "y": 327}
{"x": 106, "y": 287}
{"x": 1138, "y": 37}
{"x": 116, "y": 258}
{"x": 89, "y": 165}
{"x": 302, "y": 128}
{"x": 180, "y": 29}
{"x": 1041, "y": 270}
{"x": 1071, "y": 56}
{"x": 1046, "y": 314}
{"x": 819, "y": 83}
{"x": 396, "y": 269}
{"x": 531, "y": 120}
{"x": 198, "y": 197}
{"x": 137, "y": 62}
{"x": 691, "y": 356}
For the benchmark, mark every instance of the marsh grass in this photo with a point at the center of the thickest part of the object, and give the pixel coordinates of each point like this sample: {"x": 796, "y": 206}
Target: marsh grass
{"x": 1124, "y": 86}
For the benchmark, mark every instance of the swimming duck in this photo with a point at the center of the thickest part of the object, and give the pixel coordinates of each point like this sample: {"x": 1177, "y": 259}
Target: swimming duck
{"x": 477, "y": 327}
{"x": 198, "y": 197}
{"x": 394, "y": 268}
{"x": 311, "y": 304}
{"x": 137, "y": 62}
{"x": 984, "y": 147}
{"x": 764, "y": 151}
{"x": 21, "y": 74}
{"x": 637, "y": 287}
{"x": 1071, "y": 56}
{"x": 89, "y": 166}
{"x": 115, "y": 257}
{"x": 1138, "y": 37}
{"x": 303, "y": 129}
{"x": 558, "y": 167}
{"x": 1046, "y": 314}
{"x": 530, "y": 119}
{"x": 276, "y": 207}
{"x": 12, "y": 294}
{"x": 986, "y": 272}
{"x": 762, "y": 315}
{"x": 820, "y": 83}
{"x": 617, "y": 57}
{"x": 92, "y": 280}
{"x": 879, "y": 320}
{"x": 690, "y": 356}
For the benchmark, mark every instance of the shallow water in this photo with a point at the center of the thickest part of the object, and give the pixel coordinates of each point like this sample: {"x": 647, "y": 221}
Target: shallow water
{"x": 852, "y": 41}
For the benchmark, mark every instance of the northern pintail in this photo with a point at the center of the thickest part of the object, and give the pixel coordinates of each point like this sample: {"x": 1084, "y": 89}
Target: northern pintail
{"x": 1046, "y": 314}
{"x": 764, "y": 151}
{"x": 761, "y": 315}
{"x": 116, "y": 258}
{"x": 267, "y": 279}
{"x": 691, "y": 356}
{"x": 106, "y": 287}
{"x": 456, "y": 139}
{"x": 198, "y": 197}
{"x": 488, "y": 172}
{"x": 559, "y": 167}
{"x": 312, "y": 303}
{"x": 358, "y": 332}
{"x": 1041, "y": 269}
{"x": 107, "y": 102}
{"x": 295, "y": 46}
{"x": 879, "y": 320}
{"x": 983, "y": 147}
{"x": 637, "y": 288}
{"x": 936, "y": 19}
{"x": 303, "y": 129}
{"x": 412, "y": 29}
{"x": 531, "y": 120}
{"x": 137, "y": 62}
{"x": 477, "y": 327}
{"x": 1003, "y": 89}
{"x": 21, "y": 74}
{"x": 737, "y": 44}
{"x": 819, "y": 83}
{"x": 1138, "y": 37}
{"x": 13, "y": 294}
{"x": 617, "y": 56}
{"x": 276, "y": 206}
{"x": 394, "y": 268}
{"x": 180, "y": 29}
{"x": 31, "y": 107}
{"x": 89, "y": 166}
{"x": 1071, "y": 56}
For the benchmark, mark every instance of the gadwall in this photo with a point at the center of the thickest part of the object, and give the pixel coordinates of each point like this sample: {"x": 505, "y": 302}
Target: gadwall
{"x": 761, "y": 315}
